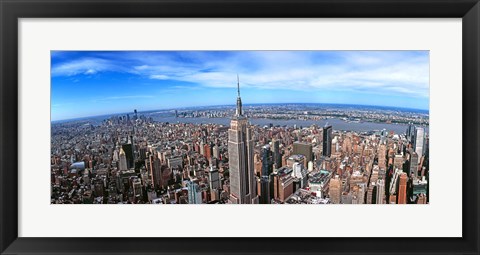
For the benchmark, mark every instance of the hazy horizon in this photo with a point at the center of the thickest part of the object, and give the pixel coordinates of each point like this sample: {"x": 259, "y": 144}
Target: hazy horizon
{"x": 233, "y": 106}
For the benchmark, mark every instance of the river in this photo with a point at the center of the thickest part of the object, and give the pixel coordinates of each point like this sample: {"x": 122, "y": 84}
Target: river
{"x": 337, "y": 124}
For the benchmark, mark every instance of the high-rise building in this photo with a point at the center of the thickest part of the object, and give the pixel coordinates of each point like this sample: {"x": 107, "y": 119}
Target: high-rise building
{"x": 304, "y": 149}
{"x": 413, "y": 164}
{"x": 335, "y": 189}
{"x": 402, "y": 189}
{"x": 157, "y": 172}
{"x": 394, "y": 181}
{"x": 207, "y": 151}
{"x": 300, "y": 173}
{"x": 194, "y": 193}
{"x": 370, "y": 193}
{"x": 149, "y": 166}
{"x": 202, "y": 148}
{"x": 216, "y": 152}
{"x": 327, "y": 141}
{"x": 137, "y": 188}
{"x": 380, "y": 192}
{"x": 283, "y": 184}
{"x": 267, "y": 161}
{"x": 383, "y": 136}
{"x": 393, "y": 199}
{"x": 213, "y": 178}
{"x": 398, "y": 161}
{"x": 154, "y": 167}
{"x": 128, "y": 150}
{"x": 410, "y": 133}
{"x": 122, "y": 166}
{"x": 264, "y": 189}
{"x": 361, "y": 192}
{"x": 240, "y": 154}
{"x": 420, "y": 141}
{"x": 277, "y": 157}
{"x": 142, "y": 153}
{"x": 382, "y": 156}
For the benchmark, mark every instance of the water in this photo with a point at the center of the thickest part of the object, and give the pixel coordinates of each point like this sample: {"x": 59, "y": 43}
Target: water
{"x": 337, "y": 124}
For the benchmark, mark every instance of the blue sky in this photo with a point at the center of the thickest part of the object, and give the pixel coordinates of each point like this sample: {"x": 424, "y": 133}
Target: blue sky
{"x": 88, "y": 83}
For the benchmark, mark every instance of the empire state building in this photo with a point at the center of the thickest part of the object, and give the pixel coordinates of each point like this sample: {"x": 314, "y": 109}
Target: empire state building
{"x": 240, "y": 154}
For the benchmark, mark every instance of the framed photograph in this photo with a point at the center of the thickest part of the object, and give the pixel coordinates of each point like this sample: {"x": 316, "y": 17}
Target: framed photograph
{"x": 172, "y": 127}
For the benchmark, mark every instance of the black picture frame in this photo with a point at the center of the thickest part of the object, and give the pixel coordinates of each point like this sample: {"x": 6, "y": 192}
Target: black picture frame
{"x": 12, "y": 10}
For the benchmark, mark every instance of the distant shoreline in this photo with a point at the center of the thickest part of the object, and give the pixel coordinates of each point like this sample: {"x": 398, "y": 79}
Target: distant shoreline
{"x": 322, "y": 105}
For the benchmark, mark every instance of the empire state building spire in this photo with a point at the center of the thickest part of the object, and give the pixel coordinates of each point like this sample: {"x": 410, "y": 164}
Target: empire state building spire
{"x": 239, "y": 100}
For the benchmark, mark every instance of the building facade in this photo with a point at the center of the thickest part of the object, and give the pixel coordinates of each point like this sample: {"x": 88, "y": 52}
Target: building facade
{"x": 304, "y": 149}
{"x": 402, "y": 188}
{"x": 327, "y": 141}
{"x": 420, "y": 141}
{"x": 240, "y": 154}
{"x": 194, "y": 193}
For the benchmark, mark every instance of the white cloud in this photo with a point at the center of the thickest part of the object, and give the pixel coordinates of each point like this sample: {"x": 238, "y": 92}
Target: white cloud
{"x": 405, "y": 73}
{"x": 82, "y": 66}
{"x": 159, "y": 77}
{"x": 91, "y": 71}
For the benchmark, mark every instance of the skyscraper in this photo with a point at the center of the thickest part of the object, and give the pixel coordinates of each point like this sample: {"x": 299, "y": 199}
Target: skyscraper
{"x": 267, "y": 161}
{"x": 264, "y": 181}
{"x": 327, "y": 141}
{"x": 123, "y": 161}
{"x": 194, "y": 193}
{"x": 128, "y": 151}
{"x": 402, "y": 189}
{"x": 264, "y": 196}
{"x": 216, "y": 151}
{"x": 383, "y": 136}
{"x": 413, "y": 164}
{"x": 213, "y": 178}
{"x": 300, "y": 173}
{"x": 137, "y": 188}
{"x": 398, "y": 161}
{"x": 420, "y": 141}
{"x": 304, "y": 149}
{"x": 277, "y": 157}
{"x": 157, "y": 172}
{"x": 240, "y": 154}
{"x": 335, "y": 189}
{"x": 382, "y": 152}
{"x": 380, "y": 192}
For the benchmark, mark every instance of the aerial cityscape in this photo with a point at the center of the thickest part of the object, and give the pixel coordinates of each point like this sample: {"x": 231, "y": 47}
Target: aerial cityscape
{"x": 299, "y": 140}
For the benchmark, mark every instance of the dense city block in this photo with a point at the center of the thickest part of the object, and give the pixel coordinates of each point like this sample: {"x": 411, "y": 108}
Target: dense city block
{"x": 243, "y": 155}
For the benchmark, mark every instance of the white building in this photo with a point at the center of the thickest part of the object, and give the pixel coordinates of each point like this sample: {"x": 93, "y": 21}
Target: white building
{"x": 420, "y": 141}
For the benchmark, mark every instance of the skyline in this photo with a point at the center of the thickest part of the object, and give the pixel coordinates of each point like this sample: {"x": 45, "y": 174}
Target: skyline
{"x": 233, "y": 107}
{"x": 119, "y": 81}
{"x": 140, "y": 160}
